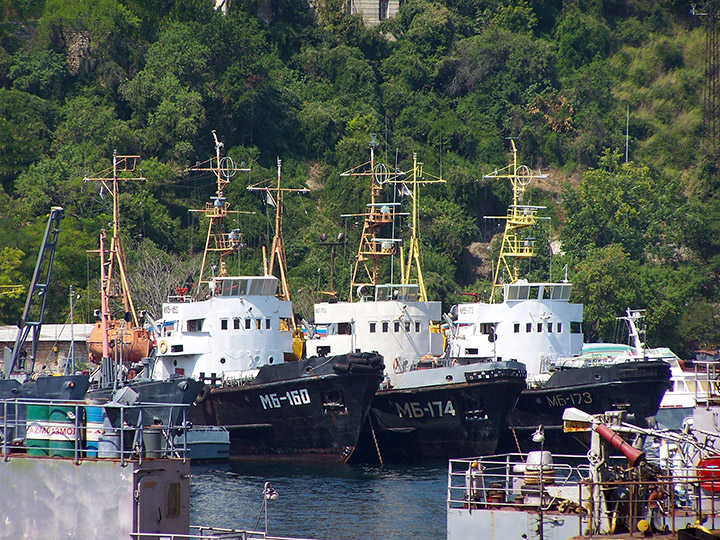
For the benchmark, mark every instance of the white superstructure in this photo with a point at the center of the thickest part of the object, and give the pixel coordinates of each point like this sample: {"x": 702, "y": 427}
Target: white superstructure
{"x": 239, "y": 328}
{"x": 535, "y": 324}
{"x": 394, "y": 323}
{"x": 229, "y": 326}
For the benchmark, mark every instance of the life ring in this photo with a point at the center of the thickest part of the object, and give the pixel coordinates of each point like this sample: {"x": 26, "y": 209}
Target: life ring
{"x": 427, "y": 358}
{"x": 163, "y": 347}
{"x": 396, "y": 363}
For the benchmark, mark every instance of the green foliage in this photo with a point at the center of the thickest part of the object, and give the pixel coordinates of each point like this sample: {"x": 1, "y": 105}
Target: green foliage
{"x": 38, "y": 72}
{"x": 26, "y": 123}
{"x": 449, "y": 80}
{"x": 628, "y": 205}
{"x": 428, "y": 26}
{"x": 12, "y": 286}
{"x": 518, "y": 16}
{"x": 607, "y": 281}
{"x": 581, "y": 38}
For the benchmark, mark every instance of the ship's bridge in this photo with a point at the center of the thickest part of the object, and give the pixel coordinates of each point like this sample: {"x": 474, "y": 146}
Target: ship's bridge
{"x": 522, "y": 290}
{"x": 245, "y": 286}
{"x": 401, "y": 293}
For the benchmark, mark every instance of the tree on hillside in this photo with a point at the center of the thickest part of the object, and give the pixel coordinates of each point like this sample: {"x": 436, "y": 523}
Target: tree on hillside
{"x": 626, "y": 204}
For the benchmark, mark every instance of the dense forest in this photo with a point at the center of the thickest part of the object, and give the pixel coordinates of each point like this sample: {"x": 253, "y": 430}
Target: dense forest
{"x": 635, "y": 221}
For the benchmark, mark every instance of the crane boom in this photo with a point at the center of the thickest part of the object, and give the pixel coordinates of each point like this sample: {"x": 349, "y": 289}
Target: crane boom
{"x": 36, "y": 294}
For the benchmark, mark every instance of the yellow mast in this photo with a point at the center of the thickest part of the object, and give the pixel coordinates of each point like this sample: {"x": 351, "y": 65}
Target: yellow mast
{"x": 121, "y": 164}
{"x": 217, "y": 240}
{"x": 413, "y": 255}
{"x": 519, "y": 217}
{"x": 277, "y": 252}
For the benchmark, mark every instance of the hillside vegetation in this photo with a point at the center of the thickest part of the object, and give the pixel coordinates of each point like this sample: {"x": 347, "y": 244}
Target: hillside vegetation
{"x": 449, "y": 80}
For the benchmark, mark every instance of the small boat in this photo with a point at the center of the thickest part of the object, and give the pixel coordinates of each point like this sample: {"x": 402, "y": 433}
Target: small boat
{"x": 205, "y": 443}
{"x": 688, "y": 385}
{"x": 428, "y": 406}
{"x": 536, "y": 324}
{"x": 237, "y": 335}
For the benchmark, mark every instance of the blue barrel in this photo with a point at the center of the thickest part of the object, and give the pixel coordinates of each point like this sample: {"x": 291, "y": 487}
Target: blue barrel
{"x": 93, "y": 430}
{"x": 37, "y": 436}
{"x": 63, "y": 431}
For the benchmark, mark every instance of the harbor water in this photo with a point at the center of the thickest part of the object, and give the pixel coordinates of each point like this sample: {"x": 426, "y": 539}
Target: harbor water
{"x": 333, "y": 502}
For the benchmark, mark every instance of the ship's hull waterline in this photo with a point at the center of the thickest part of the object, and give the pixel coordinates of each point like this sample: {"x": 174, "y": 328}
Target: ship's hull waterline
{"x": 309, "y": 410}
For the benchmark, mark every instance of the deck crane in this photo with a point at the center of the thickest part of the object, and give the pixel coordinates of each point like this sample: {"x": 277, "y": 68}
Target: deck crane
{"x": 37, "y": 294}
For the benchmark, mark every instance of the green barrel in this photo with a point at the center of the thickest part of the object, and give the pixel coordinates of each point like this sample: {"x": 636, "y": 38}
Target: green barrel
{"x": 37, "y": 436}
{"x": 63, "y": 431}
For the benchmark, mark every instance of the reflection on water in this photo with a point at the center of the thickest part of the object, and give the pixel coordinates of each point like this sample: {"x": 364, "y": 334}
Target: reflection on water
{"x": 343, "y": 502}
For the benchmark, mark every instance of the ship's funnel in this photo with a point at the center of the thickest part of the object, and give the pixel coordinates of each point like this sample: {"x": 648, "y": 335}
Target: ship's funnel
{"x": 633, "y": 455}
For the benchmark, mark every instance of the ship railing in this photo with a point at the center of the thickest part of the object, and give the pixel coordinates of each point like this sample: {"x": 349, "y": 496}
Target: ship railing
{"x": 180, "y": 298}
{"x": 707, "y": 382}
{"x": 84, "y": 430}
{"x": 666, "y": 503}
{"x": 508, "y": 481}
{"x": 670, "y": 499}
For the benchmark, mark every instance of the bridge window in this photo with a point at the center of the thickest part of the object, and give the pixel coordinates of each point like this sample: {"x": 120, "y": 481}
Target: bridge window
{"x": 549, "y": 328}
{"x": 517, "y": 328}
{"x": 248, "y": 324}
{"x": 345, "y": 328}
{"x": 558, "y": 326}
{"x": 528, "y": 327}
{"x": 236, "y": 324}
{"x": 417, "y": 326}
{"x": 195, "y": 325}
{"x": 385, "y": 327}
{"x": 223, "y": 324}
{"x": 372, "y": 327}
{"x": 396, "y": 326}
{"x": 486, "y": 328}
{"x": 267, "y": 323}
{"x": 575, "y": 327}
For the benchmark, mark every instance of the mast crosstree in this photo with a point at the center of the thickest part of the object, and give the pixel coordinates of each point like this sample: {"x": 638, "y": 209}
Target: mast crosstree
{"x": 379, "y": 215}
{"x": 121, "y": 164}
{"x": 218, "y": 240}
{"x": 413, "y": 255}
{"x": 515, "y": 245}
{"x": 277, "y": 251}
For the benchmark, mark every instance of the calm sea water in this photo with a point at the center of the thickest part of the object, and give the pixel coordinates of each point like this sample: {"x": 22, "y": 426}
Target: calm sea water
{"x": 338, "y": 502}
